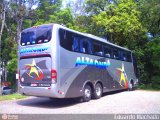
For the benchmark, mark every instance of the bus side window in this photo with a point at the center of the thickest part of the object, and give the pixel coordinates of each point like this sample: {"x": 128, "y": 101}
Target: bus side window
{"x": 85, "y": 46}
{"x": 97, "y": 49}
{"x": 82, "y": 49}
{"x": 107, "y": 52}
{"x": 49, "y": 33}
{"x": 123, "y": 56}
{"x": 128, "y": 56}
{"x": 89, "y": 47}
{"x": 75, "y": 46}
{"x": 66, "y": 39}
{"x": 116, "y": 54}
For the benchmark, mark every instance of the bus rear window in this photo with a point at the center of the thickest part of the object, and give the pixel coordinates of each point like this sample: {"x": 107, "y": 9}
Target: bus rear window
{"x": 36, "y": 35}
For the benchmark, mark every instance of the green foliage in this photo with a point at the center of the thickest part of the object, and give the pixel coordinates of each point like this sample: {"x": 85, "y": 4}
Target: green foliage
{"x": 82, "y": 24}
{"x": 46, "y": 11}
{"x": 27, "y": 23}
{"x": 121, "y": 22}
{"x": 152, "y": 63}
{"x": 95, "y": 6}
{"x": 63, "y": 17}
{"x": 12, "y": 97}
{"x": 149, "y": 87}
{"x": 12, "y": 66}
{"x": 155, "y": 49}
{"x": 150, "y": 10}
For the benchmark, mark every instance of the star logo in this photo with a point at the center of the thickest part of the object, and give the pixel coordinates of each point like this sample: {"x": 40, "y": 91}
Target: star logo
{"x": 34, "y": 69}
{"x": 123, "y": 77}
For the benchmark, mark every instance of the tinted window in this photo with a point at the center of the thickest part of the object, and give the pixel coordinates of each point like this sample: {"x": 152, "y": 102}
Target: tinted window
{"x": 66, "y": 39}
{"x": 97, "y": 49}
{"x": 36, "y": 35}
{"x": 126, "y": 56}
{"x": 75, "y": 45}
{"x": 116, "y": 54}
{"x": 78, "y": 43}
{"x": 107, "y": 52}
{"x": 6, "y": 88}
{"x": 85, "y": 45}
{"x": 74, "y": 42}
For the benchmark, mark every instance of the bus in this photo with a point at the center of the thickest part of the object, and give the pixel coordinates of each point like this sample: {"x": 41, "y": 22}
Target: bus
{"x": 57, "y": 62}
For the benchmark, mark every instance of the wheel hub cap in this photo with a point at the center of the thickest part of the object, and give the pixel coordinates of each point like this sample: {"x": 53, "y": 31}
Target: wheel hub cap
{"x": 87, "y": 93}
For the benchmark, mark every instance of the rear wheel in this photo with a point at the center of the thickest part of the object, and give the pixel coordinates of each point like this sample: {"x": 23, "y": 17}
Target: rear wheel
{"x": 87, "y": 93}
{"x": 98, "y": 91}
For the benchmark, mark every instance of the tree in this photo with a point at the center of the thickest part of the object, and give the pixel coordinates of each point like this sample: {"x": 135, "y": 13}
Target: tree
{"x": 152, "y": 64}
{"x": 96, "y": 6}
{"x": 3, "y": 7}
{"x": 19, "y": 10}
{"x": 51, "y": 13}
{"x": 120, "y": 23}
{"x": 63, "y": 17}
{"x": 151, "y": 21}
{"x": 12, "y": 65}
{"x": 82, "y": 24}
{"x": 77, "y": 7}
{"x": 12, "y": 15}
{"x": 150, "y": 15}
{"x": 46, "y": 10}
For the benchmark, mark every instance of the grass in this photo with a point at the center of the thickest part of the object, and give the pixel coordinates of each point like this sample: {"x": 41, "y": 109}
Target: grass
{"x": 12, "y": 97}
{"x": 149, "y": 87}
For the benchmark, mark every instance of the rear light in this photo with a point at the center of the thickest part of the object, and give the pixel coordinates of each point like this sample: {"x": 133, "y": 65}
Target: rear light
{"x": 49, "y": 88}
{"x": 60, "y": 92}
{"x": 54, "y": 76}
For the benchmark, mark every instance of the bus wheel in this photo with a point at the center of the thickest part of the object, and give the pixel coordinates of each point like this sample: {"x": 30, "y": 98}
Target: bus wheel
{"x": 98, "y": 91}
{"x": 130, "y": 86}
{"x": 87, "y": 93}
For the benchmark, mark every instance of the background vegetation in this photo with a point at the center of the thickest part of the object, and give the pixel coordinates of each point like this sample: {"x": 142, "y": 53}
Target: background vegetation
{"x": 134, "y": 24}
{"x": 14, "y": 96}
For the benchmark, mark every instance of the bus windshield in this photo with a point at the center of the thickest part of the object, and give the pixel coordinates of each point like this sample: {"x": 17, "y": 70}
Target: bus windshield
{"x": 36, "y": 35}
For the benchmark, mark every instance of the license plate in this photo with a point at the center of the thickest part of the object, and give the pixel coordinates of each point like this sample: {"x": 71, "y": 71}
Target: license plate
{"x": 34, "y": 85}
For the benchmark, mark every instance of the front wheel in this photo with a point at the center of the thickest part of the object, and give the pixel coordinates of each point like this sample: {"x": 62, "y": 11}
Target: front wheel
{"x": 87, "y": 93}
{"x": 98, "y": 91}
{"x": 130, "y": 87}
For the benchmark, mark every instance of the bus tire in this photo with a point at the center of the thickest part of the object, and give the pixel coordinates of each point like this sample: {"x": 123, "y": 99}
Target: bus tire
{"x": 87, "y": 92}
{"x": 130, "y": 86}
{"x": 97, "y": 91}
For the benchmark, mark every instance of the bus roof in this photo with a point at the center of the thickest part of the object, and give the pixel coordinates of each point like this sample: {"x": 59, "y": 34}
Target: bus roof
{"x": 88, "y": 35}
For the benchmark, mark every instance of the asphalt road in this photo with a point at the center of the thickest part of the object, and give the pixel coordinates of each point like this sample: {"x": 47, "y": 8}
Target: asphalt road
{"x": 124, "y": 102}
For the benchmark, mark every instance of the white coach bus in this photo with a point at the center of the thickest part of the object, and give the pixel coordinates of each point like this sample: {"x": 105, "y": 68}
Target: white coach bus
{"x": 57, "y": 62}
